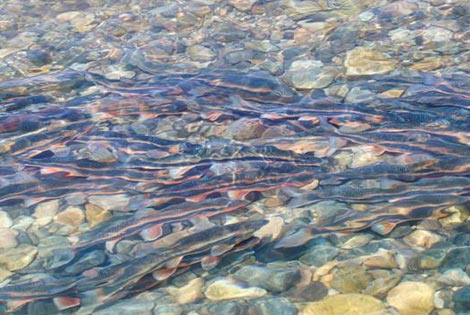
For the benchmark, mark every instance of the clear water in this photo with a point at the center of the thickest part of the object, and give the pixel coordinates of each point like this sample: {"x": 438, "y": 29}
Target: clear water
{"x": 234, "y": 157}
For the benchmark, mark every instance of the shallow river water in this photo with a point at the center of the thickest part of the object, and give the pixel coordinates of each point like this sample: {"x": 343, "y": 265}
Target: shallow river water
{"x": 235, "y": 157}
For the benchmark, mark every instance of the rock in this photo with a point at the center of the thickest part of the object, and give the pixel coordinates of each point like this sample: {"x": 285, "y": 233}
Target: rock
{"x": 350, "y": 304}
{"x": 8, "y": 238}
{"x": 168, "y": 309}
{"x": 275, "y": 68}
{"x": 22, "y": 223}
{"x": 319, "y": 255}
{"x": 457, "y": 258}
{"x": 310, "y": 74}
{"x": 263, "y": 46}
{"x": 76, "y": 199}
{"x": 365, "y": 61}
{"x": 382, "y": 259}
{"x": 436, "y": 34}
{"x": 226, "y": 308}
{"x": 189, "y": 293}
{"x": 52, "y": 244}
{"x": 95, "y": 214}
{"x": 200, "y": 53}
{"x": 422, "y": 238}
{"x": 462, "y": 300}
{"x": 223, "y": 289}
{"x": 458, "y": 214}
{"x": 71, "y": 216}
{"x": 432, "y": 259}
{"x": 271, "y": 279}
{"x": 105, "y": 153}
{"x": 359, "y": 95}
{"x": 278, "y": 306}
{"x": 351, "y": 241}
{"x": 242, "y": 5}
{"x": 45, "y": 212}
{"x": 38, "y": 57}
{"x": 237, "y": 56}
{"x": 246, "y": 129}
{"x": 136, "y": 307}
{"x": 17, "y": 258}
{"x": 110, "y": 202}
{"x": 399, "y": 8}
{"x": 351, "y": 279}
{"x": 314, "y": 291}
{"x": 4, "y": 273}
{"x": 454, "y": 277}
{"x": 412, "y": 298}
{"x": 5, "y": 220}
{"x": 383, "y": 282}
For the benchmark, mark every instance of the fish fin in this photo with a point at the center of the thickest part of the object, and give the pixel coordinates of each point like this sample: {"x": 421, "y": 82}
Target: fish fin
{"x": 298, "y": 238}
{"x": 15, "y": 305}
{"x": 174, "y": 262}
{"x": 220, "y": 249}
{"x": 152, "y": 233}
{"x": 210, "y": 262}
{"x": 109, "y": 245}
{"x": 384, "y": 227}
{"x": 238, "y": 194}
{"x": 65, "y": 302}
{"x": 197, "y": 198}
{"x": 163, "y": 274}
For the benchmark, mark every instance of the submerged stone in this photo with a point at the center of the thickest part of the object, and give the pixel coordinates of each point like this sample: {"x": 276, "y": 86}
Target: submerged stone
{"x": 351, "y": 304}
{"x": 271, "y": 279}
{"x": 226, "y": 290}
{"x": 412, "y": 298}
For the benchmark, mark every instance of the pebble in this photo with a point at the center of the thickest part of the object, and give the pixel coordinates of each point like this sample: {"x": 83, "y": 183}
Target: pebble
{"x": 275, "y": 306}
{"x": 272, "y": 279}
{"x": 365, "y": 61}
{"x": 95, "y": 214}
{"x": 310, "y": 74}
{"x": 457, "y": 258}
{"x": 17, "y": 258}
{"x": 223, "y": 289}
{"x": 353, "y": 240}
{"x": 432, "y": 259}
{"x": 110, "y": 202}
{"x": 226, "y": 308}
{"x": 76, "y": 199}
{"x": 351, "y": 279}
{"x": 169, "y": 309}
{"x": 189, "y": 293}
{"x": 71, "y": 217}
{"x": 319, "y": 255}
{"x": 422, "y": 238}
{"x": 454, "y": 277}
{"x": 200, "y": 53}
{"x": 246, "y": 129}
{"x": 382, "y": 259}
{"x": 137, "y": 307}
{"x": 45, "y": 212}
{"x": 242, "y": 5}
{"x": 384, "y": 281}
{"x": 462, "y": 300}
{"x": 5, "y": 220}
{"x": 22, "y": 223}
{"x": 8, "y": 238}
{"x": 412, "y": 298}
{"x": 350, "y": 304}
{"x": 458, "y": 215}
{"x": 4, "y": 273}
